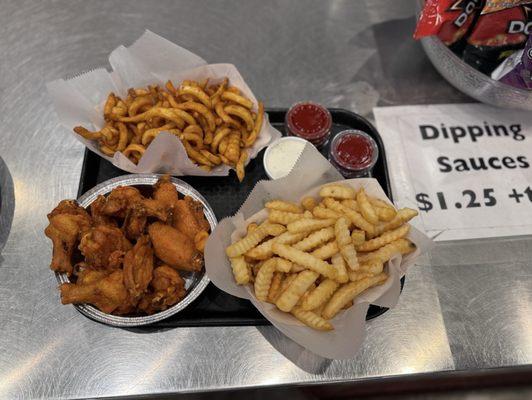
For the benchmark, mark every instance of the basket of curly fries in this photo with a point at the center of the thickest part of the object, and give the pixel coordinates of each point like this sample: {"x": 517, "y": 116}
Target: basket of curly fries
{"x": 312, "y": 251}
{"x": 165, "y": 110}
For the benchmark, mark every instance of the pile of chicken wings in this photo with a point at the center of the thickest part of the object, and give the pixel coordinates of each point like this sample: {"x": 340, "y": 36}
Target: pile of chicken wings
{"x": 125, "y": 253}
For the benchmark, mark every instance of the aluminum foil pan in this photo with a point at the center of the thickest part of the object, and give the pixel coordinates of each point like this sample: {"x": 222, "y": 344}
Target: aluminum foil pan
{"x": 195, "y": 282}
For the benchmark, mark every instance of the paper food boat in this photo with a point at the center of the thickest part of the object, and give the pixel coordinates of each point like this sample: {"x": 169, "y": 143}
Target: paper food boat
{"x": 310, "y": 172}
{"x": 150, "y": 60}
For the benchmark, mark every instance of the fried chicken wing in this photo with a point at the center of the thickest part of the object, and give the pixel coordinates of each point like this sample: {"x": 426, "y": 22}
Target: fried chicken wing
{"x": 174, "y": 248}
{"x": 123, "y": 199}
{"x": 104, "y": 246}
{"x": 119, "y": 200}
{"x": 138, "y": 267}
{"x": 96, "y": 210}
{"x": 165, "y": 192}
{"x": 155, "y": 208}
{"x": 189, "y": 218}
{"x": 88, "y": 275}
{"x": 166, "y": 289}
{"x": 128, "y": 306}
{"x": 135, "y": 222}
{"x": 107, "y": 293}
{"x": 70, "y": 207}
{"x": 67, "y": 222}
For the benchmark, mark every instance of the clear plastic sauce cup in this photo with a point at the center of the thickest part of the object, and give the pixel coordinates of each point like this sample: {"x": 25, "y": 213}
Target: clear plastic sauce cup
{"x": 354, "y": 153}
{"x": 310, "y": 121}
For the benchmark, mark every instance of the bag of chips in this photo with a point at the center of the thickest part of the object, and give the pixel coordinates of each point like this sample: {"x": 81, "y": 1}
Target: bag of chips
{"x": 516, "y": 70}
{"x": 497, "y": 35}
{"x": 482, "y": 32}
{"x": 450, "y": 20}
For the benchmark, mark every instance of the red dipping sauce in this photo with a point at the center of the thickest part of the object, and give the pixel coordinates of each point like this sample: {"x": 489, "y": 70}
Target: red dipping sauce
{"x": 354, "y": 153}
{"x": 309, "y": 121}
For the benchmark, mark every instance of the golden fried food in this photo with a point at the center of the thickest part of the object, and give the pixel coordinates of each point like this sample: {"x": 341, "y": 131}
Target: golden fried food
{"x": 88, "y": 275}
{"x": 200, "y": 240}
{"x": 199, "y": 114}
{"x": 120, "y": 200}
{"x": 316, "y": 262}
{"x": 127, "y": 202}
{"x": 123, "y": 199}
{"x": 101, "y": 244}
{"x": 67, "y": 222}
{"x": 96, "y": 212}
{"x": 166, "y": 289}
{"x": 165, "y": 192}
{"x": 107, "y": 293}
{"x": 187, "y": 214}
{"x": 189, "y": 218}
{"x": 175, "y": 248}
{"x": 135, "y": 222}
{"x": 138, "y": 267}
{"x": 122, "y": 240}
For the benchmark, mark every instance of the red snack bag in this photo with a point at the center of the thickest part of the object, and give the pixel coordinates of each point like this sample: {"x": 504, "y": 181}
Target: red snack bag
{"x": 450, "y": 20}
{"x": 497, "y": 35}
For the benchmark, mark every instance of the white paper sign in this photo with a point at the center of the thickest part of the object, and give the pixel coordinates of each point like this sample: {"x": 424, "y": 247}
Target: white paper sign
{"x": 466, "y": 167}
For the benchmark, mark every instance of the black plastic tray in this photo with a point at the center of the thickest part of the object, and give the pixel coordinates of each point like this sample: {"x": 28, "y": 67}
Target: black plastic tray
{"x": 225, "y": 195}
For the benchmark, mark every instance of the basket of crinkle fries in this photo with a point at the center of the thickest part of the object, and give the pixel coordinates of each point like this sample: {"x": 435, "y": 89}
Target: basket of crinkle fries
{"x": 164, "y": 110}
{"x": 312, "y": 252}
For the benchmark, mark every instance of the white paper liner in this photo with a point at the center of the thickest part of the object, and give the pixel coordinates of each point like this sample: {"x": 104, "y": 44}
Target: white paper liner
{"x": 150, "y": 60}
{"x": 310, "y": 172}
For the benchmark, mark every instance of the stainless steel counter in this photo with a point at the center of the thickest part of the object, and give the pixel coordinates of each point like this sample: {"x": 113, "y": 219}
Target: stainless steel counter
{"x": 466, "y": 307}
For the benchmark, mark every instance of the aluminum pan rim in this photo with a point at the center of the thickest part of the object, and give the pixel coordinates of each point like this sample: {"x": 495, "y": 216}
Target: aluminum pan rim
{"x": 143, "y": 179}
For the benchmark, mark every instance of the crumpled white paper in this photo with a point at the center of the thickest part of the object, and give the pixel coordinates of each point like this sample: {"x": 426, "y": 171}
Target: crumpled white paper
{"x": 310, "y": 172}
{"x": 150, "y": 60}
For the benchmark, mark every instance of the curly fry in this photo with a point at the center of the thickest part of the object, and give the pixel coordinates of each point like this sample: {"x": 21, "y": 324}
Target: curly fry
{"x": 138, "y": 103}
{"x": 123, "y": 136}
{"x": 201, "y": 109}
{"x": 211, "y": 157}
{"x": 134, "y": 148}
{"x": 170, "y": 99}
{"x": 150, "y": 134}
{"x": 109, "y": 105}
{"x": 220, "y": 134}
{"x": 216, "y": 95}
{"x": 190, "y": 137}
{"x": 240, "y": 171}
{"x": 242, "y": 113}
{"x": 197, "y": 92}
{"x": 109, "y": 135}
{"x": 141, "y": 92}
{"x": 226, "y": 161}
{"x": 233, "y": 147}
{"x": 107, "y": 151}
{"x": 196, "y": 155}
{"x": 90, "y": 135}
{"x": 233, "y": 89}
{"x": 236, "y": 98}
{"x": 219, "y": 108}
{"x": 195, "y": 129}
{"x": 170, "y": 87}
{"x": 173, "y": 114}
{"x": 208, "y": 137}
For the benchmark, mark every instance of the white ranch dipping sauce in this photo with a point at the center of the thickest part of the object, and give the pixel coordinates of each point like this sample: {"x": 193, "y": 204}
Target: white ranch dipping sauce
{"x": 281, "y": 156}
